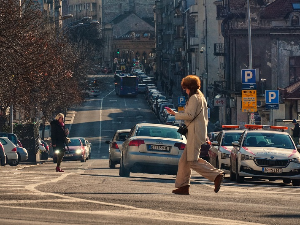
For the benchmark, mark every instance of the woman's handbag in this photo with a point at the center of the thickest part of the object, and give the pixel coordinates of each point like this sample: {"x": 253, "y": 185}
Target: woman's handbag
{"x": 183, "y": 129}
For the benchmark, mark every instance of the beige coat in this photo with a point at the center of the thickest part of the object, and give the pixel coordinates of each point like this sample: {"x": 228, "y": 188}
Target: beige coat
{"x": 197, "y": 130}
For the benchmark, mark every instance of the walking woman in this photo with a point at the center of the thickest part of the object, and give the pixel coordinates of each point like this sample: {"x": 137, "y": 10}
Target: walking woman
{"x": 58, "y": 138}
{"x": 196, "y": 118}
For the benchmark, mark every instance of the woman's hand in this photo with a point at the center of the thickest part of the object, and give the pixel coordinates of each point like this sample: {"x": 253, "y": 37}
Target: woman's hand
{"x": 170, "y": 111}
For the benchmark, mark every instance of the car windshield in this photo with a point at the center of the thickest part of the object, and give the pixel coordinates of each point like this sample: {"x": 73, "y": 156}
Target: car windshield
{"x": 228, "y": 138}
{"x": 74, "y": 142}
{"x": 274, "y": 140}
{"x": 122, "y": 136}
{"x": 164, "y": 132}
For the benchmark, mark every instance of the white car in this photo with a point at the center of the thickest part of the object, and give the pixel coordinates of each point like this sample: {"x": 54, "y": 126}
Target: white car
{"x": 219, "y": 153}
{"x": 267, "y": 154}
{"x": 10, "y": 151}
{"x": 151, "y": 148}
{"x": 115, "y": 147}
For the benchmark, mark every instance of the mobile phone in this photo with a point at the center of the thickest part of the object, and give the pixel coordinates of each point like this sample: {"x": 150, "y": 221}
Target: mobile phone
{"x": 167, "y": 108}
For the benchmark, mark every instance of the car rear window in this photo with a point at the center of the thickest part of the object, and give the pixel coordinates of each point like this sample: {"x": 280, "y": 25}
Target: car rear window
{"x": 122, "y": 136}
{"x": 163, "y": 132}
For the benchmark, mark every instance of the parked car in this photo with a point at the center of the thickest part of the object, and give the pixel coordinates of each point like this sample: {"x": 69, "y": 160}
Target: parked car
{"x": 10, "y": 151}
{"x": 219, "y": 153}
{"x": 22, "y": 152}
{"x": 2, "y": 155}
{"x": 45, "y": 152}
{"x": 115, "y": 147}
{"x": 74, "y": 151}
{"x": 265, "y": 154}
{"x": 87, "y": 146}
{"x": 151, "y": 148}
{"x": 142, "y": 88}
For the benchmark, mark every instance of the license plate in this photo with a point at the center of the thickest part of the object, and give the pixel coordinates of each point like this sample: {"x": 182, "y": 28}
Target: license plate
{"x": 68, "y": 155}
{"x": 159, "y": 147}
{"x": 271, "y": 170}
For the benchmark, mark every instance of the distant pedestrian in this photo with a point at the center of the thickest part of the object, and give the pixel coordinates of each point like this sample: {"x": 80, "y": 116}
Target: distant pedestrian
{"x": 196, "y": 118}
{"x": 296, "y": 132}
{"x": 58, "y": 137}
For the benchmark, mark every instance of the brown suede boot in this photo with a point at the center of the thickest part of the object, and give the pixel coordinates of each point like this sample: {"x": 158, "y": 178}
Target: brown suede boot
{"x": 182, "y": 190}
{"x": 218, "y": 181}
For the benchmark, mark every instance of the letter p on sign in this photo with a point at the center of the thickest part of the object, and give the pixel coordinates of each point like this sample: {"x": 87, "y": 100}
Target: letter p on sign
{"x": 272, "y": 96}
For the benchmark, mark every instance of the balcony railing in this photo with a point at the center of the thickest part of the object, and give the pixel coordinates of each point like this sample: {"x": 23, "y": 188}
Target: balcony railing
{"x": 219, "y": 49}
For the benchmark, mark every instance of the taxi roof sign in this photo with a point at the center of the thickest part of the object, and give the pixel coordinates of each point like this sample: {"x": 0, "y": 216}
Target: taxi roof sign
{"x": 279, "y": 127}
{"x": 253, "y": 127}
{"x": 230, "y": 127}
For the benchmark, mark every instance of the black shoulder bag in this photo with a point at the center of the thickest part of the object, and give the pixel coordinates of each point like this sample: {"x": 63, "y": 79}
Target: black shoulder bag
{"x": 183, "y": 129}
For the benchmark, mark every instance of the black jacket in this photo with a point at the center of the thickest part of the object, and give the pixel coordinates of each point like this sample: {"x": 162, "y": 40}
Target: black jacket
{"x": 296, "y": 130}
{"x": 58, "y": 135}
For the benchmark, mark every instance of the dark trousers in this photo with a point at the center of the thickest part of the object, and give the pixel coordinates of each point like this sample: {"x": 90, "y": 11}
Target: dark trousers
{"x": 60, "y": 155}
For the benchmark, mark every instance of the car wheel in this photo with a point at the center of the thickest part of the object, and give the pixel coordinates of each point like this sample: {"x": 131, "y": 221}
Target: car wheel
{"x": 296, "y": 182}
{"x": 112, "y": 165}
{"x": 123, "y": 172}
{"x": 14, "y": 162}
{"x": 286, "y": 181}
{"x": 238, "y": 178}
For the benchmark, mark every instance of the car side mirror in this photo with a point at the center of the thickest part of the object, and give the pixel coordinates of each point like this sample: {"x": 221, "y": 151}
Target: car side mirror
{"x": 236, "y": 143}
{"x": 215, "y": 143}
{"x": 107, "y": 142}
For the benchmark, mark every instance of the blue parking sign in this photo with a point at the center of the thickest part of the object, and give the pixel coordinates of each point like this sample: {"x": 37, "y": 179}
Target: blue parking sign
{"x": 248, "y": 76}
{"x": 181, "y": 100}
{"x": 272, "y": 96}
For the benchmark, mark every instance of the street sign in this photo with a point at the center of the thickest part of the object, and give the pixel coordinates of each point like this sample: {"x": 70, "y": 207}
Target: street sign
{"x": 272, "y": 96}
{"x": 219, "y": 101}
{"x": 180, "y": 109}
{"x": 249, "y": 101}
{"x": 181, "y": 100}
{"x": 248, "y": 79}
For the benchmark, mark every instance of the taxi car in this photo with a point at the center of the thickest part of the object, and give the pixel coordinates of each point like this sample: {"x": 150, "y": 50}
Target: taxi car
{"x": 219, "y": 153}
{"x": 151, "y": 148}
{"x": 267, "y": 154}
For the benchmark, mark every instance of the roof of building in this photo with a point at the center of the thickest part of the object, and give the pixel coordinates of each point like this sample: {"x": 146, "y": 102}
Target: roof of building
{"x": 278, "y": 9}
{"x": 292, "y": 91}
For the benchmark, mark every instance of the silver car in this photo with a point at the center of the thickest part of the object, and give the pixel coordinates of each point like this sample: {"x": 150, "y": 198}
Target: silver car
{"x": 115, "y": 146}
{"x": 151, "y": 148}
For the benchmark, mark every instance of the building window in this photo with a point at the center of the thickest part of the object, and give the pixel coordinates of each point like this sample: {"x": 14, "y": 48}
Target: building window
{"x": 294, "y": 69}
{"x": 295, "y": 20}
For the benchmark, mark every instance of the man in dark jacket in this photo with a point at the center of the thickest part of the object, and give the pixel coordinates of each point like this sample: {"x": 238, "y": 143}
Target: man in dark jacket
{"x": 296, "y": 132}
{"x": 58, "y": 138}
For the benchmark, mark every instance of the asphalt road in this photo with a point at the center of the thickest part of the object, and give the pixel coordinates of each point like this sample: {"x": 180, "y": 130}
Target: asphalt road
{"x": 91, "y": 193}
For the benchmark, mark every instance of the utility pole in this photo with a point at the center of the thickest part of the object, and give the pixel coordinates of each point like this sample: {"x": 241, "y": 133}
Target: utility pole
{"x": 249, "y": 35}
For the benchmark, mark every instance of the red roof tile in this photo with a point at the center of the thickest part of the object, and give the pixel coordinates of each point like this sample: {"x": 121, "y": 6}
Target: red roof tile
{"x": 278, "y": 9}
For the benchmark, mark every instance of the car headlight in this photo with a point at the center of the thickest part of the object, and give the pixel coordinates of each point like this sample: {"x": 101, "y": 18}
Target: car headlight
{"x": 295, "y": 160}
{"x": 246, "y": 157}
{"x": 224, "y": 155}
{"x": 56, "y": 152}
{"x": 78, "y": 151}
